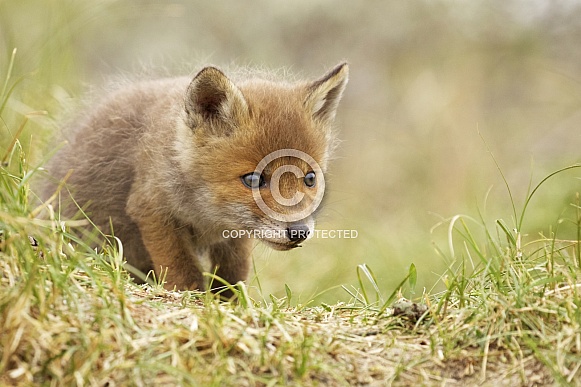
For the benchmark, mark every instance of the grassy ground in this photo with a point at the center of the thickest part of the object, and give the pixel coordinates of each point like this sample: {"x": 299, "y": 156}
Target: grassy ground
{"x": 69, "y": 315}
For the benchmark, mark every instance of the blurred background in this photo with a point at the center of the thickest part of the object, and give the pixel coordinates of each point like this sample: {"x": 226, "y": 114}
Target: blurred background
{"x": 435, "y": 88}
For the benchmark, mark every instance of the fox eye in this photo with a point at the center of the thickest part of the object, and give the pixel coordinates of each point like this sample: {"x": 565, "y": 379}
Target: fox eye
{"x": 310, "y": 179}
{"x": 253, "y": 180}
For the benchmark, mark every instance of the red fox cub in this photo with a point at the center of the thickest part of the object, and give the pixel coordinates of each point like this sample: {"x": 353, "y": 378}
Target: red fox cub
{"x": 188, "y": 171}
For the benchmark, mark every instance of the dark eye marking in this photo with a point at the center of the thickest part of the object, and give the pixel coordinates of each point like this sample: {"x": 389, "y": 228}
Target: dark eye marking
{"x": 253, "y": 180}
{"x": 310, "y": 179}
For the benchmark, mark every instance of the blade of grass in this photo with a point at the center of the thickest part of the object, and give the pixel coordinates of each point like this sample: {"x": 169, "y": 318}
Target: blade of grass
{"x": 530, "y": 196}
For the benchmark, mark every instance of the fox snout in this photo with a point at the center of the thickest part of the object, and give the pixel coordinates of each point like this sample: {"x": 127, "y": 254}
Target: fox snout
{"x": 298, "y": 233}
{"x": 287, "y": 237}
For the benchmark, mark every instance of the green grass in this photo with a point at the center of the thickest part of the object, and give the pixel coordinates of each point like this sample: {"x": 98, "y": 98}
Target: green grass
{"x": 70, "y": 315}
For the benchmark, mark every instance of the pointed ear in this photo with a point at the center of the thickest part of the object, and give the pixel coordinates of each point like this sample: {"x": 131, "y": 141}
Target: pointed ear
{"x": 213, "y": 98}
{"x": 324, "y": 95}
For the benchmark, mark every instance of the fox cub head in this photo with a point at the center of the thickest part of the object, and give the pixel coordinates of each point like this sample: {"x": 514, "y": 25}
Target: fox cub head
{"x": 255, "y": 152}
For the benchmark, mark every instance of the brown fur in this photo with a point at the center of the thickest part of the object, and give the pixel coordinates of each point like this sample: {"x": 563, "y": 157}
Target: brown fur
{"x": 162, "y": 162}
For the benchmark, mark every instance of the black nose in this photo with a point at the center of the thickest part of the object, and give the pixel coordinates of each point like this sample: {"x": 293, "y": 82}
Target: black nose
{"x": 298, "y": 233}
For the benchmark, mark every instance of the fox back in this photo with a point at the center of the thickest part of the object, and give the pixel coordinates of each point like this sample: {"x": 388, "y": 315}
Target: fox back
{"x": 186, "y": 170}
